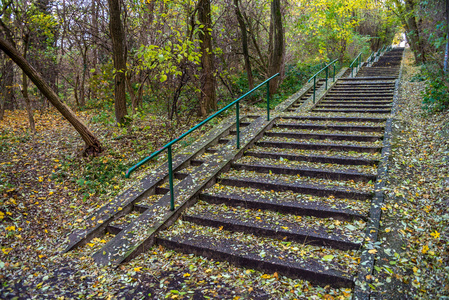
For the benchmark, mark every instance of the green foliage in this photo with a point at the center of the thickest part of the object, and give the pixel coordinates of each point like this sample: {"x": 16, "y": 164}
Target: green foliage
{"x": 96, "y": 175}
{"x": 101, "y": 82}
{"x": 436, "y": 96}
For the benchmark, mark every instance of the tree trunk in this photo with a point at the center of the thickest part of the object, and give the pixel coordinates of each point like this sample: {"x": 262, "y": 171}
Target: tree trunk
{"x": 93, "y": 145}
{"x": 132, "y": 95}
{"x": 82, "y": 99}
{"x": 208, "y": 99}
{"x": 6, "y": 86}
{"x": 118, "y": 48}
{"x": 243, "y": 31}
{"x": 277, "y": 55}
{"x": 25, "y": 88}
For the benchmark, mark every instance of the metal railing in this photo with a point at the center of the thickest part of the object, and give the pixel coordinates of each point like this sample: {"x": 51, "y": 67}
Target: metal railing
{"x": 169, "y": 145}
{"x": 357, "y": 61}
{"x": 371, "y": 58}
{"x": 326, "y": 68}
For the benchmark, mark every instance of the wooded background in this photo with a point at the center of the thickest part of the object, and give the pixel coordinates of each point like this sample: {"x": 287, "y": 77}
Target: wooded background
{"x": 182, "y": 58}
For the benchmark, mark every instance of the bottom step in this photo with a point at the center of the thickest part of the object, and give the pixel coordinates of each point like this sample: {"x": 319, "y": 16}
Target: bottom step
{"x": 272, "y": 260}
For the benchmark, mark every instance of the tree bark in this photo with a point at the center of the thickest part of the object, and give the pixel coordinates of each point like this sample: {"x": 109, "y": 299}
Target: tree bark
{"x": 6, "y": 86}
{"x": 208, "y": 99}
{"x": 118, "y": 48}
{"x": 25, "y": 88}
{"x": 277, "y": 54}
{"x": 93, "y": 145}
{"x": 243, "y": 31}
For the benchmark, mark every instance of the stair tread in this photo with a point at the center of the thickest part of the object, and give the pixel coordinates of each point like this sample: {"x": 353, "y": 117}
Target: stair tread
{"x": 319, "y": 235}
{"x": 249, "y": 255}
{"x": 307, "y": 171}
{"x": 297, "y": 206}
{"x": 318, "y": 158}
{"x": 298, "y": 186}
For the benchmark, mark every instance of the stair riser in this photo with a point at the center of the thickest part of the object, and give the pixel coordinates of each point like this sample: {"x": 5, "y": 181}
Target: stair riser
{"x": 371, "y": 111}
{"x": 331, "y": 127}
{"x": 259, "y": 264}
{"x": 282, "y": 235}
{"x": 309, "y": 190}
{"x": 322, "y": 136}
{"x": 318, "y": 159}
{"x": 319, "y": 147}
{"x": 317, "y": 212}
{"x": 306, "y": 173}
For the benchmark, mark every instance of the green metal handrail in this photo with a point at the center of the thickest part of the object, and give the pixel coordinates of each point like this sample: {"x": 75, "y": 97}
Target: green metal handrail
{"x": 357, "y": 61}
{"x": 371, "y": 58}
{"x": 326, "y": 68}
{"x": 169, "y": 145}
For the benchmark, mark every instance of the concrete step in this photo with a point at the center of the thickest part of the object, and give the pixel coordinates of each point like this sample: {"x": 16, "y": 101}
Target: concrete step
{"x": 316, "y": 146}
{"x": 303, "y": 188}
{"x": 283, "y": 230}
{"x": 324, "y": 136}
{"x": 319, "y": 209}
{"x": 305, "y": 172}
{"x": 249, "y": 255}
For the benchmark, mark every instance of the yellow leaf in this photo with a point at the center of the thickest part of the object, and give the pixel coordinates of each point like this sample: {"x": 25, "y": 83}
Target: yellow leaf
{"x": 186, "y": 275}
{"x": 424, "y": 250}
{"x": 387, "y": 230}
{"x": 435, "y": 234}
{"x": 415, "y": 269}
{"x": 372, "y": 251}
{"x": 266, "y": 276}
{"x": 137, "y": 269}
{"x": 93, "y": 218}
{"x": 91, "y": 244}
{"x": 51, "y": 193}
{"x": 11, "y": 228}
{"x": 6, "y": 250}
{"x": 2, "y": 215}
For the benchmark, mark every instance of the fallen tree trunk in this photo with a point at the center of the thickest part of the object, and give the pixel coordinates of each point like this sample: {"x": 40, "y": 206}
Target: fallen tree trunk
{"x": 93, "y": 145}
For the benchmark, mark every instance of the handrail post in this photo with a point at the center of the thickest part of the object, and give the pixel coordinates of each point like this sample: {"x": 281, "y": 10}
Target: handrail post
{"x": 268, "y": 101}
{"x": 170, "y": 178}
{"x": 314, "y": 84}
{"x": 333, "y": 78}
{"x": 327, "y": 75}
{"x": 237, "y": 122}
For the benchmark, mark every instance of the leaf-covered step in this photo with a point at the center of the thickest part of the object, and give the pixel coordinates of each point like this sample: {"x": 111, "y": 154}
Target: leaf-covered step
{"x": 305, "y": 172}
{"x": 319, "y": 146}
{"x": 342, "y": 160}
{"x": 373, "y": 111}
{"x": 311, "y": 126}
{"x": 339, "y": 88}
{"x": 261, "y": 257}
{"x": 353, "y": 103}
{"x": 284, "y": 162}
{"x": 344, "y": 105}
{"x": 324, "y": 136}
{"x": 304, "y": 188}
{"x": 288, "y": 204}
{"x": 345, "y": 101}
{"x": 349, "y": 95}
{"x": 338, "y": 118}
{"x": 287, "y": 231}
